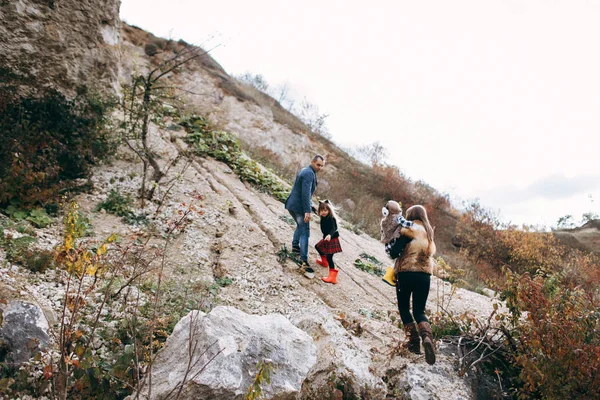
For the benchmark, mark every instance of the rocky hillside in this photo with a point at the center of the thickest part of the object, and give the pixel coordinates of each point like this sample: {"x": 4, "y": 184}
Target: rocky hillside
{"x": 237, "y": 237}
{"x": 275, "y": 136}
{"x": 70, "y": 44}
{"x": 226, "y": 252}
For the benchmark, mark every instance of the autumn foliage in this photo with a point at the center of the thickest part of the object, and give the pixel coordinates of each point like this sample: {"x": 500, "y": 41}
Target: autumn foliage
{"x": 558, "y": 336}
{"x": 553, "y": 301}
{"x": 484, "y": 239}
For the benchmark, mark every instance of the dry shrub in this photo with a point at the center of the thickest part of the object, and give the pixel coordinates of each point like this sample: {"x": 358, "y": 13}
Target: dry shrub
{"x": 528, "y": 250}
{"x": 391, "y": 184}
{"x": 150, "y": 49}
{"x": 582, "y": 268}
{"x": 135, "y": 35}
{"x": 488, "y": 242}
{"x": 558, "y": 350}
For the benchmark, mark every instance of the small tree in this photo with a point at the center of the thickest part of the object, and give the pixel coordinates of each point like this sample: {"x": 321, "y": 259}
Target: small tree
{"x": 144, "y": 103}
{"x": 565, "y": 222}
{"x": 373, "y": 154}
{"x": 310, "y": 114}
{"x": 257, "y": 81}
{"x": 589, "y": 216}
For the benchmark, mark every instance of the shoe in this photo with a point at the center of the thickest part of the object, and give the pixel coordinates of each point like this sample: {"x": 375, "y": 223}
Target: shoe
{"x": 389, "y": 276}
{"x": 427, "y": 339}
{"x": 332, "y": 278}
{"x": 322, "y": 262}
{"x": 308, "y": 271}
{"x": 296, "y": 250}
{"x": 413, "y": 342}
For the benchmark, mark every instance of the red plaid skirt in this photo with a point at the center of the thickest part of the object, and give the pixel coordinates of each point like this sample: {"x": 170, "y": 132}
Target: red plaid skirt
{"x": 329, "y": 247}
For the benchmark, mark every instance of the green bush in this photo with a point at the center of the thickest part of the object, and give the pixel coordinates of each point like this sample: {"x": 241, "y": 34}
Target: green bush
{"x": 117, "y": 204}
{"x": 16, "y": 249}
{"x": 36, "y": 216}
{"x": 226, "y": 147}
{"x": 19, "y": 251}
{"x": 48, "y": 140}
{"x": 39, "y": 261}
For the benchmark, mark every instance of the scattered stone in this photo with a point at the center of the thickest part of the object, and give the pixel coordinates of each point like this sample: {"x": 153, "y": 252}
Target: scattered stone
{"x": 24, "y": 330}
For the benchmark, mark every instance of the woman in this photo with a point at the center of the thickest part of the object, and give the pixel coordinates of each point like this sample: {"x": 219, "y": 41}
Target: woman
{"x": 413, "y": 277}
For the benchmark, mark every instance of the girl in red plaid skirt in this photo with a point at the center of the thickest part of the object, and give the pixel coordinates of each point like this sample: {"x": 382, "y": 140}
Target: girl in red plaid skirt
{"x": 330, "y": 244}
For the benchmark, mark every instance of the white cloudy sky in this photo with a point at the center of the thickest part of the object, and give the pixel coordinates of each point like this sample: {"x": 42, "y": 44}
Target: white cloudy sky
{"x": 496, "y": 100}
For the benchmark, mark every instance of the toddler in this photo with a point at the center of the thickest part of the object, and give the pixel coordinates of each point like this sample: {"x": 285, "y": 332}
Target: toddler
{"x": 330, "y": 244}
{"x": 390, "y": 225}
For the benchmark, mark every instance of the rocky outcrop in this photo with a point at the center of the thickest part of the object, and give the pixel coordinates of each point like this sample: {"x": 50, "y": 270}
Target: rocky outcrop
{"x": 227, "y": 346}
{"x": 67, "y": 44}
{"x": 23, "y": 331}
{"x": 586, "y": 237}
{"x": 340, "y": 354}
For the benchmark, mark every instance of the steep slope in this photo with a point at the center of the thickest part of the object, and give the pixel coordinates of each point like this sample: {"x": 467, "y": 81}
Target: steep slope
{"x": 238, "y": 236}
{"x": 279, "y": 138}
{"x": 354, "y": 322}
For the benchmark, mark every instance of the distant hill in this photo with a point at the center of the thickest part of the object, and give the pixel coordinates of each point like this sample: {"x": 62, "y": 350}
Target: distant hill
{"x": 586, "y": 237}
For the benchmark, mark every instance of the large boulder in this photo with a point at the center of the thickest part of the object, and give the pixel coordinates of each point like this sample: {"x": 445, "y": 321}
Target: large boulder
{"x": 68, "y": 44}
{"x": 227, "y": 346}
{"x": 340, "y": 354}
{"x": 23, "y": 332}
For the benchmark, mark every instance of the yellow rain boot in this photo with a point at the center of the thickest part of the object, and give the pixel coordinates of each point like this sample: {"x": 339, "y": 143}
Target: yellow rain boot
{"x": 389, "y": 277}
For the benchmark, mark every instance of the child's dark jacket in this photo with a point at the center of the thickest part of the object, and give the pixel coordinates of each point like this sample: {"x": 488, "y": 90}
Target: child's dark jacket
{"x": 329, "y": 227}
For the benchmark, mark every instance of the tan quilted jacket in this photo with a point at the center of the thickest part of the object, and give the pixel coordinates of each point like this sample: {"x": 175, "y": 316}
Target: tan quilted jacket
{"x": 418, "y": 254}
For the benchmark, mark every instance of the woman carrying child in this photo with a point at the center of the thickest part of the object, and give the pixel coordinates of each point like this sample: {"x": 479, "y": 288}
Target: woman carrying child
{"x": 413, "y": 270}
{"x": 330, "y": 244}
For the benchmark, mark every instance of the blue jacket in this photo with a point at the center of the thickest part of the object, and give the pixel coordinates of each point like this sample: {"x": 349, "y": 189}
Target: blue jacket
{"x": 303, "y": 189}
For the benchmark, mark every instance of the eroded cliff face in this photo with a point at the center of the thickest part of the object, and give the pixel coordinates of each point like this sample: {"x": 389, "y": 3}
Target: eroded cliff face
{"x": 67, "y": 44}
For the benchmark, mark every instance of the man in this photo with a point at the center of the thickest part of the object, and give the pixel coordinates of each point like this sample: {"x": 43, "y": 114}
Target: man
{"x": 299, "y": 206}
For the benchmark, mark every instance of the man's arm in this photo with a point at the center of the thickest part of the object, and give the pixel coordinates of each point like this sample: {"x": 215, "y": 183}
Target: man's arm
{"x": 307, "y": 180}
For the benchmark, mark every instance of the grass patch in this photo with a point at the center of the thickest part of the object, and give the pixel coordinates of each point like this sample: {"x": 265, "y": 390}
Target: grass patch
{"x": 287, "y": 219}
{"x": 225, "y": 147}
{"x": 121, "y": 206}
{"x": 368, "y": 267}
{"x": 284, "y": 254}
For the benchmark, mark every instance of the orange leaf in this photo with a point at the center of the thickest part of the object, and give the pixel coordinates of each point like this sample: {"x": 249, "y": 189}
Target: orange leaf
{"x": 48, "y": 372}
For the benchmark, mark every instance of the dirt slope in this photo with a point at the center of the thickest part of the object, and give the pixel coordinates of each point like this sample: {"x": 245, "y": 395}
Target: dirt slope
{"x": 586, "y": 237}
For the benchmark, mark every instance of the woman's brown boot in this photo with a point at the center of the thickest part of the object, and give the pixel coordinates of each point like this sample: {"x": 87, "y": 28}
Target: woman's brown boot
{"x": 427, "y": 337}
{"x": 413, "y": 344}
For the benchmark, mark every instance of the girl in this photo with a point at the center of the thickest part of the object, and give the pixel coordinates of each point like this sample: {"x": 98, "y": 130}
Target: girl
{"x": 413, "y": 277}
{"x": 330, "y": 244}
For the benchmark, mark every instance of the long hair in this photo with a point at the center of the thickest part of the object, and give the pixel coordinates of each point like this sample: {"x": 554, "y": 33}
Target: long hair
{"x": 326, "y": 205}
{"x": 418, "y": 212}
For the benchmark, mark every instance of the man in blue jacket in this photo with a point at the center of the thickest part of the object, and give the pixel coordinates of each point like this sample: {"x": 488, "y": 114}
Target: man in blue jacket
{"x": 299, "y": 206}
